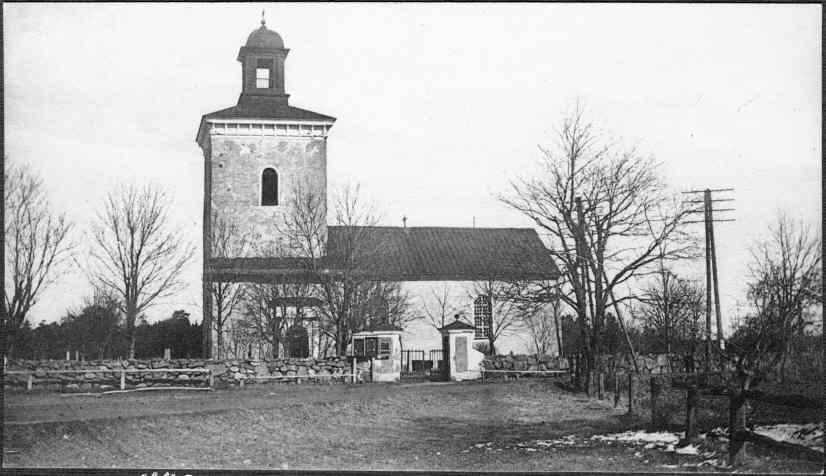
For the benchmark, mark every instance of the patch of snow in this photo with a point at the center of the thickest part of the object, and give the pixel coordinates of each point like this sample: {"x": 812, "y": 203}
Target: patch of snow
{"x": 661, "y": 437}
{"x": 687, "y": 450}
{"x": 810, "y": 435}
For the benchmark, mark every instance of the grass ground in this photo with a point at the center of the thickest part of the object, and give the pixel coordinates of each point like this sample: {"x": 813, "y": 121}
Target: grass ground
{"x": 427, "y": 426}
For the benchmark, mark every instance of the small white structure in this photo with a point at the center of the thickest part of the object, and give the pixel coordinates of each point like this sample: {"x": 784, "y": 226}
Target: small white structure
{"x": 383, "y": 346}
{"x": 462, "y": 361}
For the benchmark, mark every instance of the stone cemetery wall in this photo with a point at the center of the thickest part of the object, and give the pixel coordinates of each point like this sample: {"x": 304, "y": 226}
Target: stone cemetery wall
{"x": 524, "y": 362}
{"x": 106, "y": 375}
{"x": 648, "y": 363}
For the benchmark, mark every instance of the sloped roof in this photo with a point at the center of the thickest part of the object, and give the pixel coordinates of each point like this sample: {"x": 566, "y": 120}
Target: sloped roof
{"x": 268, "y": 110}
{"x": 457, "y": 325}
{"x": 412, "y": 254}
{"x": 448, "y": 253}
{"x": 263, "y": 107}
{"x": 384, "y": 327}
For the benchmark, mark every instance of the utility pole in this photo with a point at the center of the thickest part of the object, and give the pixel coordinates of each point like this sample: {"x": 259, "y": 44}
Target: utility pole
{"x": 712, "y": 284}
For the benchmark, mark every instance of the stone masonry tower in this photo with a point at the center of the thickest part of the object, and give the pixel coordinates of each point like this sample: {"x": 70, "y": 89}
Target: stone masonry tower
{"x": 257, "y": 152}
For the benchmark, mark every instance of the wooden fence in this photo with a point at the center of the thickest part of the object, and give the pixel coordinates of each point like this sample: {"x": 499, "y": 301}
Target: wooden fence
{"x": 121, "y": 372}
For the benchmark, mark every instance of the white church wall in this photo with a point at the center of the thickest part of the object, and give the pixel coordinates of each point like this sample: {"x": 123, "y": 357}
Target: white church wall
{"x": 422, "y": 335}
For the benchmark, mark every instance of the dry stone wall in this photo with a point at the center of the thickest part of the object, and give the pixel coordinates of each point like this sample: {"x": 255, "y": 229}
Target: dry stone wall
{"x": 105, "y": 375}
{"x": 524, "y": 362}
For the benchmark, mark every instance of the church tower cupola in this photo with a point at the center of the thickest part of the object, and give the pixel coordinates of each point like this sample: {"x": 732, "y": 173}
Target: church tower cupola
{"x": 262, "y": 68}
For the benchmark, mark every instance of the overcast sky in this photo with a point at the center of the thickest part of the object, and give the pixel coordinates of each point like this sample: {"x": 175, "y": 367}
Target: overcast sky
{"x": 438, "y": 105}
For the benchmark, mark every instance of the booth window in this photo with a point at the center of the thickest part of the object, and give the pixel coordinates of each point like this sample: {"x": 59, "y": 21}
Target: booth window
{"x": 371, "y": 346}
{"x": 358, "y": 347}
{"x": 482, "y": 316}
{"x": 384, "y": 346}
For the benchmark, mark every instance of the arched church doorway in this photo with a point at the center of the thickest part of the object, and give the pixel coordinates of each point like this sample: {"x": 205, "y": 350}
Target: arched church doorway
{"x": 298, "y": 342}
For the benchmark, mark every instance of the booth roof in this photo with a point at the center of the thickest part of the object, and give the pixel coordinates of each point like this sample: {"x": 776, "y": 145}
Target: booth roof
{"x": 409, "y": 254}
{"x": 457, "y": 325}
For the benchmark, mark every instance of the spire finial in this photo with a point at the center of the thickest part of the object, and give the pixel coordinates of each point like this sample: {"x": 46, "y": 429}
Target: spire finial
{"x": 263, "y": 21}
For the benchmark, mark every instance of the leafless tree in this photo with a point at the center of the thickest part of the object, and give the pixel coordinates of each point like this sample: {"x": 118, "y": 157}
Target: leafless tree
{"x": 36, "y": 242}
{"x": 606, "y": 212}
{"x": 505, "y": 314}
{"x": 442, "y": 307}
{"x": 227, "y": 240}
{"x": 672, "y": 309}
{"x": 271, "y": 309}
{"x": 786, "y": 281}
{"x": 352, "y": 296}
{"x": 136, "y": 255}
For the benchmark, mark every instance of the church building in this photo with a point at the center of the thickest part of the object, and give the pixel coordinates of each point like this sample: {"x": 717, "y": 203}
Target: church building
{"x": 256, "y": 151}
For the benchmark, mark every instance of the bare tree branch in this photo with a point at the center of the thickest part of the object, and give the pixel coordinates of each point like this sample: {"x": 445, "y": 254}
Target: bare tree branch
{"x": 135, "y": 255}
{"x": 37, "y": 245}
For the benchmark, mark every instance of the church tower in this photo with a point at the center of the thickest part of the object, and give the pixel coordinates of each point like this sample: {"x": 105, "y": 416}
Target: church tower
{"x": 257, "y": 152}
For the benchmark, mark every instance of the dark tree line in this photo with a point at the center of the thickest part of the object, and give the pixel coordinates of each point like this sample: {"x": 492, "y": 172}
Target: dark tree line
{"x": 97, "y": 332}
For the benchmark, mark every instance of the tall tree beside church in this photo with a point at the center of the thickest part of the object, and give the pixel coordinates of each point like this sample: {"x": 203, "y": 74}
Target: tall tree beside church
{"x": 226, "y": 240}
{"x": 37, "y": 245}
{"x": 607, "y": 212}
{"x": 351, "y": 298}
{"x": 136, "y": 254}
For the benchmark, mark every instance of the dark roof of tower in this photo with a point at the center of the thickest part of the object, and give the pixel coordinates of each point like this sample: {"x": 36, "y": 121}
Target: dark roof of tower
{"x": 263, "y": 108}
{"x": 265, "y": 38}
{"x": 414, "y": 254}
{"x": 267, "y": 109}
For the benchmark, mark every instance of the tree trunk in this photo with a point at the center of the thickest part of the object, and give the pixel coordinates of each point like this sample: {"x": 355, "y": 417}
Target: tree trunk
{"x": 132, "y": 344}
{"x": 692, "y": 398}
{"x": 656, "y": 412}
{"x": 219, "y": 330}
{"x": 737, "y": 428}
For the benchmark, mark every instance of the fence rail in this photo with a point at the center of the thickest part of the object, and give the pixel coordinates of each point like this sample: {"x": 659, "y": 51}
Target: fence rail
{"x": 33, "y": 373}
{"x": 122, "y": 372}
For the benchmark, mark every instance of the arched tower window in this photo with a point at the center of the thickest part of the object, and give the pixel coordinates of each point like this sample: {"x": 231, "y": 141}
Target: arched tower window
{"x": 269, "y": 187}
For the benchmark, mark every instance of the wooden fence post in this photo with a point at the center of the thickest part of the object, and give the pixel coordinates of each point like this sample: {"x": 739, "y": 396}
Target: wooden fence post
{"x": 656, "y": 390}
{"x": 29, "y": 383}
{"x": 211, "y": 379}
{"x": 630, "y": 393}
{"x": 123, "y": 380}
{"x": 691, "y": 400}
{"x": 737, "y": 428}
{"x": 353, "y": 372}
